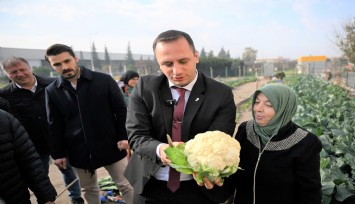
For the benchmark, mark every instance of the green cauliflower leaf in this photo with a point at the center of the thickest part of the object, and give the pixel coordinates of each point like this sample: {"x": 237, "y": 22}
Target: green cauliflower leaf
{"x": 178, "y": 159}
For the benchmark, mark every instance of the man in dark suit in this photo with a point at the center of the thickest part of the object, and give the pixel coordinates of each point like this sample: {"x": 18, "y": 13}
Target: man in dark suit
{"x": 209, "y": 105}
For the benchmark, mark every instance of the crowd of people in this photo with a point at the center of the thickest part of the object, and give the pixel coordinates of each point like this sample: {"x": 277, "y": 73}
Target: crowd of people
{"x": 85, "y": 120}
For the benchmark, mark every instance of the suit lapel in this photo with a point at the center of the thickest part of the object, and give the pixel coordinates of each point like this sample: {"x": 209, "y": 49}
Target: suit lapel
{"x": 196, "y": 99}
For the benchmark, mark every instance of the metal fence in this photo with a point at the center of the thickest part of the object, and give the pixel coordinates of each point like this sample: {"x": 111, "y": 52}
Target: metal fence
{"x": 348, "y": 78}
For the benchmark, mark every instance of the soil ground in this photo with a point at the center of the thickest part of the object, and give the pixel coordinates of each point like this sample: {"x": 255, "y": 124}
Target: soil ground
{"x": 57, "y": 180}
{"x": 241, "y": 93}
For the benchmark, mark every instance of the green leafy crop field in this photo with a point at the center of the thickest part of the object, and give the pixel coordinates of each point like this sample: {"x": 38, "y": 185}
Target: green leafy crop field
{"x": 327, "y": 111}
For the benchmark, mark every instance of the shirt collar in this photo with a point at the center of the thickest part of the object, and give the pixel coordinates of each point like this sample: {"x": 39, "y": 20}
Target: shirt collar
{"x": 34, "y": 87}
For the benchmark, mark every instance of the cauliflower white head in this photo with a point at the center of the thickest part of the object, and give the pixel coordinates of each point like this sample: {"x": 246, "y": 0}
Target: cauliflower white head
{"x": 214, "y": 149}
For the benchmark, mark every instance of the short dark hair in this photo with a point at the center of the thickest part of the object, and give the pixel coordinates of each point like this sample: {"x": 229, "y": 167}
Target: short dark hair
{"x": 13, "y": 61}
{"x": 56, "y": 49}
{"x": 172, "y": 35}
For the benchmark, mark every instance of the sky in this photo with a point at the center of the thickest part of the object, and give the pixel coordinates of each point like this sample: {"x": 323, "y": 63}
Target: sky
{"x": 275, "y": 28}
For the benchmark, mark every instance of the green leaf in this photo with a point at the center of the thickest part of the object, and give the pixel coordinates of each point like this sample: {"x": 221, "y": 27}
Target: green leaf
{"x": 106, "y": 183}
{"x": 328, "y": 188}
{"x": 182, "y": 169}
{"x": 176, "y": 155}
{"x": 343, "y": 193}
{"x": 107, "y": 188}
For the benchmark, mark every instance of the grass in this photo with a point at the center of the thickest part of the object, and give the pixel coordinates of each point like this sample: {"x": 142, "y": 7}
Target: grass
{"x": 236, "y": 81}
{"x": 2, "y": 84}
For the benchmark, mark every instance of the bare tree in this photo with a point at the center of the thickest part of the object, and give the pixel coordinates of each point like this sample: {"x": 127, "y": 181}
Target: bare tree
{"x": 345, "y": 40}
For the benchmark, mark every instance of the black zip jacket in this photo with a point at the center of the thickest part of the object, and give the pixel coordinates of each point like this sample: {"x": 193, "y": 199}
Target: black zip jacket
{"x": 30, "y": 109}
{"x": 87, "y": 122}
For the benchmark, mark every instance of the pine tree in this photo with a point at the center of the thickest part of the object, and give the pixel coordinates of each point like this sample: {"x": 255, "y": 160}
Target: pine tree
{"x": 210, "y": 54}
{"x": 95, "y": 58}
{"x": 222, "y": 54}
{"x": 107, "y": 57}
{"x": 129, "y": 58}
{"x": 203, "y": 53}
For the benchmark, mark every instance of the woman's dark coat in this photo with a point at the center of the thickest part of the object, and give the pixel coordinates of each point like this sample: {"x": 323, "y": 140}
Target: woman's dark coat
{"x": 288, "y": 170}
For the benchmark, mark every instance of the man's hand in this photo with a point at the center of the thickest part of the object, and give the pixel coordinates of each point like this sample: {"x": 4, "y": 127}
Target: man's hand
{"x": 207, "y": 183}
{"x": 61, "y": 163}
{"x": 164, "y": 159}
{"x": 123, "y": 144}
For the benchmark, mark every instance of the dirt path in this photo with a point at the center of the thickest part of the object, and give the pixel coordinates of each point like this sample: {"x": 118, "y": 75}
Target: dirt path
{"x": 57, "y": 181}
{"x": 241, "y": 93}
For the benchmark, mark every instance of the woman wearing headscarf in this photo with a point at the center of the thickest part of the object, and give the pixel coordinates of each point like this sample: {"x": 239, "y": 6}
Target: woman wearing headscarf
{"x": 280, "y": 160}
{"x": 127, "y": 82}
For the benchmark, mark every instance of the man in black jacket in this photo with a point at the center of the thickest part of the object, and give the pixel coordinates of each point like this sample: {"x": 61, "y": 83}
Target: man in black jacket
{"x": 20, "y": 165}
{"x": 26, "y": 97}
{"x": 87, "y": 115}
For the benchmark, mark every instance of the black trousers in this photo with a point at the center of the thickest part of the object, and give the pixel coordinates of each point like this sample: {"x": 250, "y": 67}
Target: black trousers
{"x": 156, "y": 192}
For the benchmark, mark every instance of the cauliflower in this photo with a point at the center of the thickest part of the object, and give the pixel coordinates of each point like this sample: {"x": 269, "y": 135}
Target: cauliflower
{"x": 213, "y": 154}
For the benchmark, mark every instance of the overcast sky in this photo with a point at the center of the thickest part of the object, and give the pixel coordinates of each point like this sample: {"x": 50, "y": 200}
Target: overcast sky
{"x": 285, "y": 28}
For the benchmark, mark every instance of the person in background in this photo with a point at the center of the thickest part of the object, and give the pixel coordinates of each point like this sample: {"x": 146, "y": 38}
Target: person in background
{"x": 26, "y": 97}
{"x": 20, "y": 165}
{"x": 86, "y": 115}
{"x": 209, "y": 105}
{"x": 127, "y": 82}
{"x": 280, "y": 160}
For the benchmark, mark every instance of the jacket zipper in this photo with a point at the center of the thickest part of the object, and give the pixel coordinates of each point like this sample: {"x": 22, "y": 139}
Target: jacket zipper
{"x": 82, "y": 126}
{"x": 256, "y": 166}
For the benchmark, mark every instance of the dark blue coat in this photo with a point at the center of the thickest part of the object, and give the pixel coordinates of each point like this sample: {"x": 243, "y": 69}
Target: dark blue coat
{"x": 86, "y": 124}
